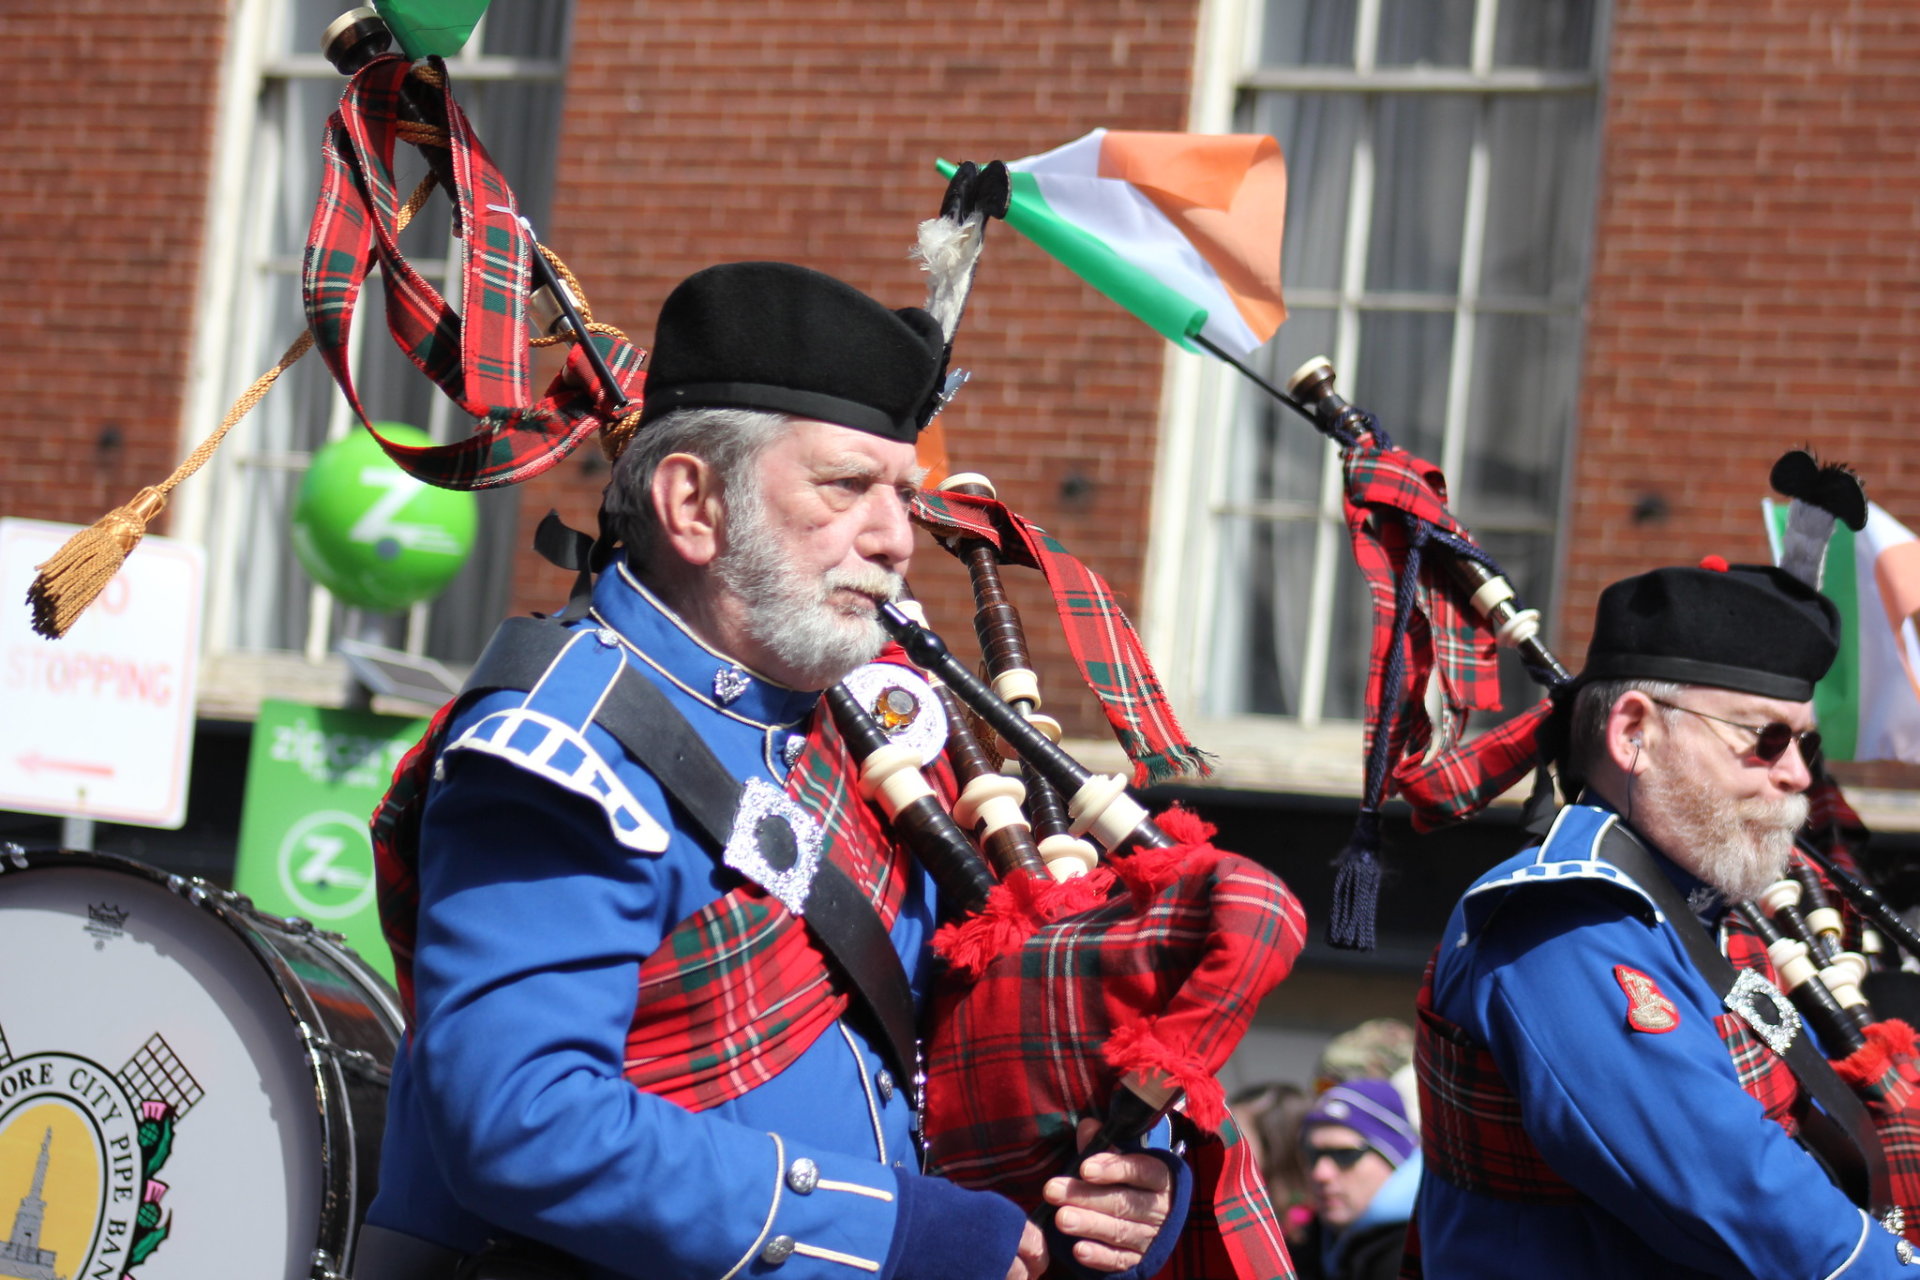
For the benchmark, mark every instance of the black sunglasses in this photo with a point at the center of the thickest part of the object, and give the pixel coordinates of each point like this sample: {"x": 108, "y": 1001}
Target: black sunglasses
{"x": 1342, "y": 1157}
{"x": 1770, "y": 741}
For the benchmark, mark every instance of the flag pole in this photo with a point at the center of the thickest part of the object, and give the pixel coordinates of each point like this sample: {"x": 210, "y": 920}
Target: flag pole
{"x": 1201, "y": 341}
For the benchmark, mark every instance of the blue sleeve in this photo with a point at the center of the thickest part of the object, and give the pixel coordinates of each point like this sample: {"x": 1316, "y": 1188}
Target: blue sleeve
{"x": 1654, "y": 1126}
{"x": 532, "y": 927}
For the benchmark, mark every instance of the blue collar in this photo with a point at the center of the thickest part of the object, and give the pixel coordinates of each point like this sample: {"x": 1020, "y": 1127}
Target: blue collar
{"x": 658, "y": 637}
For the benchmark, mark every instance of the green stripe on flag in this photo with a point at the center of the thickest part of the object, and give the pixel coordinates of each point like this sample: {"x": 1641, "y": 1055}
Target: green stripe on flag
{"x": 1169, "y": 313}
{"x": 1836, "y": 699}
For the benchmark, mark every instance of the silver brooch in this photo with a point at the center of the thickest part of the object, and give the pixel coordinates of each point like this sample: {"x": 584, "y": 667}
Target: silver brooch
{"x": 775, "y": 844}
{"x": 790, "y": 753}
{"x": 728, "y": 684}
{"x": 1762, "y": 1007}
{"x": 904, "y": 705}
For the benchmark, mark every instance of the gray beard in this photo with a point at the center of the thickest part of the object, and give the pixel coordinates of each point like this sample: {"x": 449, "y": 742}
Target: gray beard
{"x": 1737, "y": 846}
{"x": 789, "y": 612}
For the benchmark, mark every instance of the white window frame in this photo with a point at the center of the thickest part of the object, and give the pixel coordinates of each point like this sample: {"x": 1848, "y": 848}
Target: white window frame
{"x": 1312, "y": 753}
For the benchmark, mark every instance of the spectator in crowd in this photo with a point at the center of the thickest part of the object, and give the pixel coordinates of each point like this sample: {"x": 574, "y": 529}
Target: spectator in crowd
{"x": 1362, "y": 1155}
{"x": 1268, "y": 1117}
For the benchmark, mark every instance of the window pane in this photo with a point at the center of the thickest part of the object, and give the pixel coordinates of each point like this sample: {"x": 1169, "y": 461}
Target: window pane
{"x": 1539, "y": 197}
{"x": 1350, "y": 649}
{"x": 1262, "y": 632}
{"x": 1298, "y": 449}
{"x": 524, "y": 28}
{"x": 1554, "y": 34}
{"x": 1402, "y": 376}
{"x": 1308, "y": 33}
{"x": 1519, "y": 418}
{"x": 1421, "y": 144}
{"x": 1316, "y": 133}
{"x": 1432, "y": 33}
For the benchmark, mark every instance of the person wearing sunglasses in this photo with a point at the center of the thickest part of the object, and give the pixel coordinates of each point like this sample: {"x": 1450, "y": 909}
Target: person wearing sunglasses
{"x": 1362, "y": 1156}
{"x": 1601, "y": 1093}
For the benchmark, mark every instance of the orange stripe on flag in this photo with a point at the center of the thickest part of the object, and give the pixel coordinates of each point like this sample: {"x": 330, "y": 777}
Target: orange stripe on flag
{"x": 1228, "y": 194}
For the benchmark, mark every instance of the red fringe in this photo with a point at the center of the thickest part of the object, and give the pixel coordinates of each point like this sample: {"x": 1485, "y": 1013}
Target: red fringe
{"x": 1138, "y": 1047}
{"x": 1888, "y": 1055}
{"x": 1147, "y": 871}
{"x": 1016, "y": 908}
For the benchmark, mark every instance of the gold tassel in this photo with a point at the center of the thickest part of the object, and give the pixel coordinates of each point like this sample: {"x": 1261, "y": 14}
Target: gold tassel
{"x": 79, "y": 571}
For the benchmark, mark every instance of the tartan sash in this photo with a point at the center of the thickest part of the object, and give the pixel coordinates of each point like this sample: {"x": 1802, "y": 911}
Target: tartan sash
{"x": 739, "y": 990}
{"x": 478, "y": 355}
{"x": 736, "y": 992}
{"x": 1104, "y": 644}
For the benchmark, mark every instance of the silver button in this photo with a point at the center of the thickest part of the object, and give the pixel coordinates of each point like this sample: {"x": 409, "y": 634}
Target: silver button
{"x": 884, "y": 1079}
{"x": 803, "y": 1175}
{"x": 607, "y": 636}
{"x": 778, "y": 1250}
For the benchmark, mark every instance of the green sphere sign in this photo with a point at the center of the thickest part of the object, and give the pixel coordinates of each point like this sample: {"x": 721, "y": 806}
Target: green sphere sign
{"x": 372, "y": 534}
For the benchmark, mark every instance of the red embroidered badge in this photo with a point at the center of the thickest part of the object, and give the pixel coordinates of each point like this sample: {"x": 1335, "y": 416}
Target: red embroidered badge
{"x": 1648, "y": 1008}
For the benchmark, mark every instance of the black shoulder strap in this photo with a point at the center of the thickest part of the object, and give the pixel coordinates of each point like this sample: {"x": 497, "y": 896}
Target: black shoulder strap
{"x": 658, "y": 737}
{"x": 1839, "y": 1132}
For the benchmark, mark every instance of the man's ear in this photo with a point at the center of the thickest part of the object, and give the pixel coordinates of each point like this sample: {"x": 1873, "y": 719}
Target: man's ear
{"x": 686, "y": 498}
{"x": 1629, "y": 726}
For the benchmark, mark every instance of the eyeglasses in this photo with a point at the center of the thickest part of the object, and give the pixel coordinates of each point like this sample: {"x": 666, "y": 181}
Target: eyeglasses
{"x": 1343, "y": 1157}
{"x": 1770, "y": 740}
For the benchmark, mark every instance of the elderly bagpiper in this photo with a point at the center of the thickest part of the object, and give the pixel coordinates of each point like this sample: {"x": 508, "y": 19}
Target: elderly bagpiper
{"x": 662, "y": 962}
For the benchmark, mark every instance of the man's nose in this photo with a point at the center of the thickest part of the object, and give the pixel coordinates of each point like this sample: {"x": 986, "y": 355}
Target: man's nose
{"x": 888, "y": 536}
{"x": 1792, "y": 771}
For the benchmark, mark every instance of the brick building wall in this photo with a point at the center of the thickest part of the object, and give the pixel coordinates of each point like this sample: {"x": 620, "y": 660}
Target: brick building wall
{"x": 1756, "y": 278}
{"x": 106, "y": 126}
{"x": 722, "y": 130}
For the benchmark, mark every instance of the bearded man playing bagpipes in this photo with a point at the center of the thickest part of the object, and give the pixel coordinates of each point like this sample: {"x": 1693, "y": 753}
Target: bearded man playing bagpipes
{"x": 587, "y": 912}
{"x": 1602, "y": 1092}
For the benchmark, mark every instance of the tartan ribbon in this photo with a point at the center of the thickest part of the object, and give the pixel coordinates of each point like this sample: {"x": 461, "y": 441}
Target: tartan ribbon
{"x": 1104, "y": 644}
{"x": 1167, "y": 973}
{"x": 1429, "y": 655}
{"x": 478, "y": 355}
{"x": 735, "y": 993}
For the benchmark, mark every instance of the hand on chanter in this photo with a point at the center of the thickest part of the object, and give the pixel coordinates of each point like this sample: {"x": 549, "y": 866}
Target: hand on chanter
{"x": 1114, "y": 1208}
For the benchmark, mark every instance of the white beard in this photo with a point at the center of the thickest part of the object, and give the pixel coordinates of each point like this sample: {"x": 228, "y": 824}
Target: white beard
{"x": 1737, "y": 846}
{"x": 791, "y": 613}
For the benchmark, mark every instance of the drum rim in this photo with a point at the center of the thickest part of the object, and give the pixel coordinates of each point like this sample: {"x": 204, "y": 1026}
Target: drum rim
{"x": 336, "y": 1228}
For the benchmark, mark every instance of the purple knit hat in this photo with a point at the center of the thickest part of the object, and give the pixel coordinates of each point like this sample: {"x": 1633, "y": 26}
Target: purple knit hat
{"x": 1372, "y": 1109}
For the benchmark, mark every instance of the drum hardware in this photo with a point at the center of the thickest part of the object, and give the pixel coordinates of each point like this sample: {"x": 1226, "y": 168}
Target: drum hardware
{"x": 358, "y": 1061}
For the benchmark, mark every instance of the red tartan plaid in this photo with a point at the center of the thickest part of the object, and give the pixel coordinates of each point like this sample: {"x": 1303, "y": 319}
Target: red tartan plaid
{"x": 1386, "y": 490}
{"x": 479, "y": 354}
{"x": 1111, "y": 659}
{"x": 1457, "y": 784}
{"x": 1470, "y": 1130}
{"x": 1017, "y": 1057}
{"x": 734, "y": 993}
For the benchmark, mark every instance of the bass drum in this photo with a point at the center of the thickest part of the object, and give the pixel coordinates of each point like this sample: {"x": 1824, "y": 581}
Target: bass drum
{"x": 188, "y": 1087}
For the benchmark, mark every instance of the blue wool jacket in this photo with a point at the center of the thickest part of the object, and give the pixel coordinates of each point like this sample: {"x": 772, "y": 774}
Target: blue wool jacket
{"x": 1683, "y": 1173}
{"x": 550, "y": 866}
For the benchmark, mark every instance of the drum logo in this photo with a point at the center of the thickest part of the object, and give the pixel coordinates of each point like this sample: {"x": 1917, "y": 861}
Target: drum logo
{"x": 80, "y": 1146}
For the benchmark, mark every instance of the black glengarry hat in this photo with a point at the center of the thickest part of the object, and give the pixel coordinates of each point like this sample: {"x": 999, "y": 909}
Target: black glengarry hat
{"x": 785, "y": 338}
{"x": 1753, "y": 628}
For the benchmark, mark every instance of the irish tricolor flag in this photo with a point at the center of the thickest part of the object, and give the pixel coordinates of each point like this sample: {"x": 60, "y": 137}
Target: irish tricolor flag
{"x": 1869, "y": 704}
{"x": 1181, "y": 229}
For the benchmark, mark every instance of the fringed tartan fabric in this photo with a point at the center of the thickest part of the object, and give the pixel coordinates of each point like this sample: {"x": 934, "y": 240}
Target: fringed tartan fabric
{"x": 736, "y": 992}
{"x": 478, "y": 354}
{"x": 1111, "y": 658}
{"x": 1166, "y": 972}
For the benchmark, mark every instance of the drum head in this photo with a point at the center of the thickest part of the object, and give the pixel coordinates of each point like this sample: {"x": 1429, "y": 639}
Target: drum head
{"x": 157, "y": 1109}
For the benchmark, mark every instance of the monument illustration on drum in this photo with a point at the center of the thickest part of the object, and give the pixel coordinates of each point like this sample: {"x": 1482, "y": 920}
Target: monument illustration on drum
{"x": 97, "y": 1210}
{"x": 189, "y": 1086}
